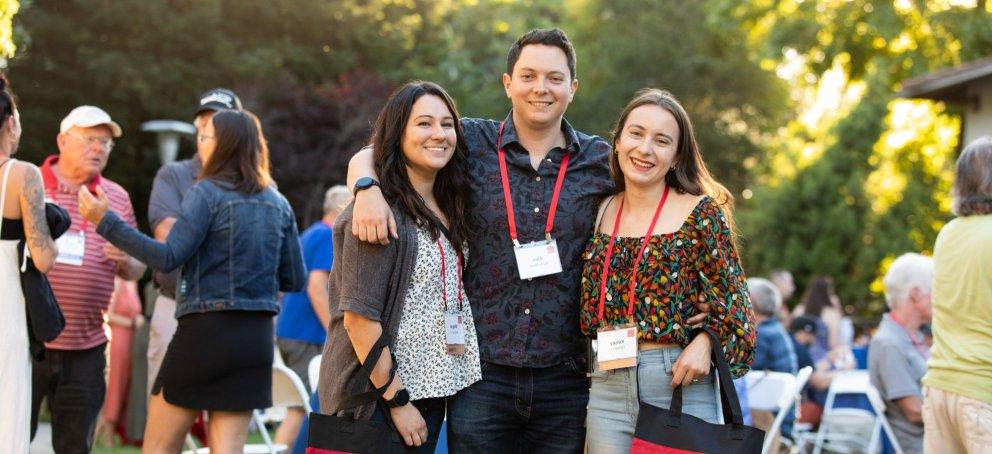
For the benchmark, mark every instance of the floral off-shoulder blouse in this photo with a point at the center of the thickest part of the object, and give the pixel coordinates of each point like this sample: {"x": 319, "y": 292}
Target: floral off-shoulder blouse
{"x": 696, "y": 262}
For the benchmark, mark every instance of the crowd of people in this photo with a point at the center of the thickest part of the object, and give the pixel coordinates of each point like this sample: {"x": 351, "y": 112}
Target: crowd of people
{"x": 467, "y": 264}
{"x": 930, "y": 356}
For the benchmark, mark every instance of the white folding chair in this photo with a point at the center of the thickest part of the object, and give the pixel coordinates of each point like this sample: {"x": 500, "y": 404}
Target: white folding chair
{"x": 766, "y": 389}
{"x": 313, "y": 372}
{"x": 853, "y": 429}
{"x": 287, "y": 391}
{"x": 776, "y": 392}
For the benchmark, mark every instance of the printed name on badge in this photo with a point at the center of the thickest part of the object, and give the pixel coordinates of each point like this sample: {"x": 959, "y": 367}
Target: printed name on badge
{"x": 454, "y": 333}
{"x": 536, "y": 259}
{"x": 616, "y": 347}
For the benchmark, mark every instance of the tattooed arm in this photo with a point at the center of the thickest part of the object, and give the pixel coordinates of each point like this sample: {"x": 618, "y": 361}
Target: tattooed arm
{"x": 39, "y": 239}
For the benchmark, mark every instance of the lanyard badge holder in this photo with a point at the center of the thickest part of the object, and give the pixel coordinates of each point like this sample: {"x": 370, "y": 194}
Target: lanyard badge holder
{"x": 537, "y": 258}
{"x": 454, "y": 321}
{"x": 616, "y": 345}
{"x": 72, "y": 244}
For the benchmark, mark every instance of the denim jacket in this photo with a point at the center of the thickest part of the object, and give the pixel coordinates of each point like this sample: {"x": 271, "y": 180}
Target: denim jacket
{"x": 237, "y": 251}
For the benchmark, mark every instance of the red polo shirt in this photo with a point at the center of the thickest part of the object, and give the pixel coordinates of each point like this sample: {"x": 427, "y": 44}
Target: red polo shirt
{"x": 83, "y": 292}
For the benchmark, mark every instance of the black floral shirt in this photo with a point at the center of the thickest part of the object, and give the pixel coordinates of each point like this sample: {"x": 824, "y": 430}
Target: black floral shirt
{"x": 535, "y": 322}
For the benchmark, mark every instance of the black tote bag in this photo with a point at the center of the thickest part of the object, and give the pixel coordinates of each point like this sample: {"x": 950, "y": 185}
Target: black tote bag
{"x": 45, "y": 318}
{"x": 332, "y": 434}
{"x": 661, "y": 431}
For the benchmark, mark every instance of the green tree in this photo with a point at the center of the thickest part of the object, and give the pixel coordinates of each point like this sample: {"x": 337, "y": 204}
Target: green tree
{"x": 857, "y": 177}
{"x": 626, "y": 45}
{"x": 8, "y": 8}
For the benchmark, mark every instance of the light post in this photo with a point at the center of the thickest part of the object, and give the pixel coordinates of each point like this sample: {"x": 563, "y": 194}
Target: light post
{"x": 168, "y": 133}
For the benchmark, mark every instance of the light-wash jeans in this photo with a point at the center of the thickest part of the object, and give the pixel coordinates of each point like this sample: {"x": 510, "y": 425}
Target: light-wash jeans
{"x": 613, "y": 401}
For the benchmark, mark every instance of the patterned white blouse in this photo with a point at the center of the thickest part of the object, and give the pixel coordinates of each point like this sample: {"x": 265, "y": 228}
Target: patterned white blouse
{"x": 424, "y": 365}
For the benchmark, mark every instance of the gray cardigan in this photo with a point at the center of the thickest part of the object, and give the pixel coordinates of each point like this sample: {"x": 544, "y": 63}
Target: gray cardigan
{"x": 365, "y": 279}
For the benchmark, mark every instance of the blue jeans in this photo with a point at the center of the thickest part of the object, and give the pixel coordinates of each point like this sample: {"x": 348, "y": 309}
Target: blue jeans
{"x": 614, "y": 402}
{"x": 519, "y": 409}
{"x": 433, "y": 412}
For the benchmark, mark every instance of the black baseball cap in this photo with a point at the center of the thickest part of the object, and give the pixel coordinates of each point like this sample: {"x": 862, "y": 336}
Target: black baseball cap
{"x": 218, "y": 99}
{"x": 803, "y": 323}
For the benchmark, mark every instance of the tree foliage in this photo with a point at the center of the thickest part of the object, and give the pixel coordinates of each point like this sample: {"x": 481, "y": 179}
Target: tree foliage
{"x": 858, "y": 176}
{"x": 148, "y": 59}
{"x": 314, "y": 131}
{"x": 8, "y": 8}
{"x": 793, "y": 101}
{"x": 626, "y": 45}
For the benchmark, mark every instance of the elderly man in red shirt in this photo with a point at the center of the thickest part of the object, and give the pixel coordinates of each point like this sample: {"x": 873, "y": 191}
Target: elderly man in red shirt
{"x": 71, "y": 373}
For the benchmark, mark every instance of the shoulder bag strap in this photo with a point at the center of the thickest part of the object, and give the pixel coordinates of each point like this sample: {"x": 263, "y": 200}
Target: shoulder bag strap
{"x": 3, "y": 192}
{"x": 358, "y": 395}
{"x": 728, "y": 394}
{"x": 602, "y": 211}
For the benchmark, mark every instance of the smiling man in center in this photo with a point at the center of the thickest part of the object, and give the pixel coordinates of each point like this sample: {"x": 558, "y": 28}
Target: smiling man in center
{"x": 535, "y": 186}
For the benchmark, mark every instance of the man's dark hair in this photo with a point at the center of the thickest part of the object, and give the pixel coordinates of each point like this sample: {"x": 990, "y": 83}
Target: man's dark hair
{"x": 545, "y": 36}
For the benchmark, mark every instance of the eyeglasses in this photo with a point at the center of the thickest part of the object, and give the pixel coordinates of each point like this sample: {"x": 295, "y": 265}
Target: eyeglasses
{"x": 203, "y": 138}
{"x": 104, "y": 144}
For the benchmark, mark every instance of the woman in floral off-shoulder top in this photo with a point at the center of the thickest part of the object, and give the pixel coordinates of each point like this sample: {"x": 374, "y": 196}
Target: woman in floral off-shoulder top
{"x": 669, "y": 229}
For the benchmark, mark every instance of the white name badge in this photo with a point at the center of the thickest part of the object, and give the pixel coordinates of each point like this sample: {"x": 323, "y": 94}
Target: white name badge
{"x": 454, "y": 333}
{"x": 72, "y": 248}
{"x": 539, "y": 258}
{"x": 616, "y": 347}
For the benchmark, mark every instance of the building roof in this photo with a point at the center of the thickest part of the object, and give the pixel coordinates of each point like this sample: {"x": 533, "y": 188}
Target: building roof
{"x": 947, "y": 84}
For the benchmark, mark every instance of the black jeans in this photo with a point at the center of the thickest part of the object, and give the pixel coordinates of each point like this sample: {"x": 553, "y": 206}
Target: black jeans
{"x": 520, "y": 409}
{"x": 74, "y": 384}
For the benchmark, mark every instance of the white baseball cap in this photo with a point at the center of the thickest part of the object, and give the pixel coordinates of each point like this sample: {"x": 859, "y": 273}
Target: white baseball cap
{"x": 88, "y": 117}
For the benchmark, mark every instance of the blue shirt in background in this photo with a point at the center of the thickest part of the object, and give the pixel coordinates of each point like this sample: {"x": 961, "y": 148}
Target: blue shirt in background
{"x": 297, "y": 320}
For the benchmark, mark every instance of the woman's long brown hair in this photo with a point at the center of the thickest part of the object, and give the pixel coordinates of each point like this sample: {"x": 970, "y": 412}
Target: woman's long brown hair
{"x": 690, "y": 174}
{"x": 241, "y": 156}
{"x": 451, "y": 183}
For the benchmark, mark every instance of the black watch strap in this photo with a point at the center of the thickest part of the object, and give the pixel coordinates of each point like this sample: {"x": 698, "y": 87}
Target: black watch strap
{"x": 401, "y": 398}
{"x": 364, "y": 183}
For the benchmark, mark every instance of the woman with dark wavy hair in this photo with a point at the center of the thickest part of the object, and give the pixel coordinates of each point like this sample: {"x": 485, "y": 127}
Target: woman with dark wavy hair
{"x": 663, "y": 245}
{"x": 237, "y": 244}
{"x": 957, "y": 391}
{"x": 411, "y": 289}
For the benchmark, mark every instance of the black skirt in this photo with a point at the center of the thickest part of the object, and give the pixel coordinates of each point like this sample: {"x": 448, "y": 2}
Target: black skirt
{"x": 219, "y": 361}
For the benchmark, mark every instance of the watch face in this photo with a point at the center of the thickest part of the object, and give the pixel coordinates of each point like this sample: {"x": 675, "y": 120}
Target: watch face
{"x": 364, "y": 183}
{"x": 402, "y": 397}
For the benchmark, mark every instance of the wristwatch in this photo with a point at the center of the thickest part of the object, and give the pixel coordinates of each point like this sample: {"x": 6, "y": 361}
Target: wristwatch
{"x": 364, "y": 183}
{"x": 401, "y": 398}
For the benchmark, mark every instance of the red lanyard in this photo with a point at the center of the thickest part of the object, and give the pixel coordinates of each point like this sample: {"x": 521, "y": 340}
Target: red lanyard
{"x": 444, "y": 277}
{"x": 511, "y": 220}
{"x": 637, "y": 259}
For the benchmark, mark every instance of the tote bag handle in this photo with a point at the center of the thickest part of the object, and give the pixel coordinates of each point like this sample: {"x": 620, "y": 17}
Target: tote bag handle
{"x": 728, "y": 393}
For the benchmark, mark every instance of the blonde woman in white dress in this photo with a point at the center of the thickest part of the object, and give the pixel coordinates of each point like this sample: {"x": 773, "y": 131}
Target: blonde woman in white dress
{"x": 22, "y": 206}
